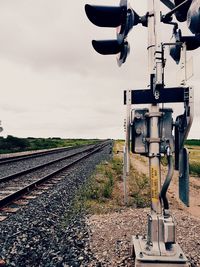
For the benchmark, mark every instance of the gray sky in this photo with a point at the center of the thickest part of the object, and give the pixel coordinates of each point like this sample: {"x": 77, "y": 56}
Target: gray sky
{"x": 53, "y": 83}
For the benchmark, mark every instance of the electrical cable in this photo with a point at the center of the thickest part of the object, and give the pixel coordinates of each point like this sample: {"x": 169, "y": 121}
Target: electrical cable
{"x": 167, "y": 181}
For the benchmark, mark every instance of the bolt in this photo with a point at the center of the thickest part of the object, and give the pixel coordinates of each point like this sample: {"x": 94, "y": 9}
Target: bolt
{"x": 147, "y": 248}
{"x": 181, "y": 256}
{"x": 141, "y": 255}
{"x": 138, "y": 131}
{"x": 143, "y": 237}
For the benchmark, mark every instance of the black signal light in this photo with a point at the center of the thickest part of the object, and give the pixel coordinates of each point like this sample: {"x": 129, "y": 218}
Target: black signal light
{"x": 181, "y": 13}
{"x": 191, "y": 42}
{"x": 121, "y": 17}
{"x": 106, "y": 16}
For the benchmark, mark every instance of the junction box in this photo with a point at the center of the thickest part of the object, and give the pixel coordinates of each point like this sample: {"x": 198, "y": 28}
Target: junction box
{"x": 140, "y": 130}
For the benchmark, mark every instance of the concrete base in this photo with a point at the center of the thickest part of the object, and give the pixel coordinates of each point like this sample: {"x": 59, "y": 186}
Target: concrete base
{"x": 159, "y": 264}
{"x": 144, "y": 258}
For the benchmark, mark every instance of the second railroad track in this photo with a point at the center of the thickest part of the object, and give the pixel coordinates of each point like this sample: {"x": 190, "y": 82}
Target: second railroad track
{"x": 17, "y": 183}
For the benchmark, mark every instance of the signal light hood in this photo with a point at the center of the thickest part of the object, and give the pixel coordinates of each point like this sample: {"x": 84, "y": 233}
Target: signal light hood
{"x": 107, "y": 47}
{"x": 106, "y": 16}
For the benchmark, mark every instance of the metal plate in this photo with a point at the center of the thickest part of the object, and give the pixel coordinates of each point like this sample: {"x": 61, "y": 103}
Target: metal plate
{"x": 184, "y": 176}
{"x": 167, "y": 95}
{"x": 143, "y": 260}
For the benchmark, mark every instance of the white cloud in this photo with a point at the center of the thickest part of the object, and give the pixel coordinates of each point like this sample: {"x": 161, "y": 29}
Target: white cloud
{"x": 52, "y": 81}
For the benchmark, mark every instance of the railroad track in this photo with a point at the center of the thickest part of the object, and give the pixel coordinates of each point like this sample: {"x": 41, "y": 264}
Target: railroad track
{"x": 15, "y": 185}
{"x": 14, "y": 164}
{"x": 12, "y": 159}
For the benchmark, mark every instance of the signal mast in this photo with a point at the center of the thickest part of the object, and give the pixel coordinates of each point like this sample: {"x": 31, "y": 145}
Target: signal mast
{"x": 151, "y": 129}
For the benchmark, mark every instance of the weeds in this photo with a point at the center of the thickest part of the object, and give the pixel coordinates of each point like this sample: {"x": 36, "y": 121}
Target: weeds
{"x": 139, "y": 189}
{"x": 194, "y": 160}
{"x": 117, "y": 166}
{"x": 99, "y": 193}
{"x": 194, "y": 168}
{"x": 103, "y": 192}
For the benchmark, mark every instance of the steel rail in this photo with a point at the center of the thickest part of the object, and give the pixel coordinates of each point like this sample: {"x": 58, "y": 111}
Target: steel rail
{"x": 14, "y": 175}
{"x": 34, "y": 155}
{"x": 14, "y": 196}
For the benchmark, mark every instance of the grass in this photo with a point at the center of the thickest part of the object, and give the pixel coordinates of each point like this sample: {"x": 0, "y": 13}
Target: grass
{"x": 97, "y": 194}
{"x": 103, "y": 192}
{"x": 194, "y": 160}
{"x": 194, "y": 168}
{"x": 139, "y": 189}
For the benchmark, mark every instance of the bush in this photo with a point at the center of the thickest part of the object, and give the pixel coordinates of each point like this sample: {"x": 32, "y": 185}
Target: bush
{"x": 108, "y": 186}
{"x": 15, "y": 144}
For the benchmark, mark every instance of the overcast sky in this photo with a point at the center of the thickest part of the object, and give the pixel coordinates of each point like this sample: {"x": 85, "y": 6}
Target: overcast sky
{"x": 53, "y": 83}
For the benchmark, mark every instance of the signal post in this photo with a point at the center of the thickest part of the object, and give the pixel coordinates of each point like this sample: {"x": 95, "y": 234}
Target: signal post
{"x": 153, "y": 132}
{"x": 159, "y": 247}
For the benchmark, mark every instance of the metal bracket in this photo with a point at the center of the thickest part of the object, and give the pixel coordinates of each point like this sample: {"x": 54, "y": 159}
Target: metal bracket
{"x": 168, "y": 3}
{"x": 166, "y": 95}
{"x": 153, "y": 140}
{"x": 184, "y": 176}
{"x": 182, "y": 127}
{"x": 153, "y": 114}
{"x": 183, "y": 124}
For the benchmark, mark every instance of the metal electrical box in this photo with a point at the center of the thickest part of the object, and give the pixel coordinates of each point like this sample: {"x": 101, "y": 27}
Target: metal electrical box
{"x": 139, "y": 131}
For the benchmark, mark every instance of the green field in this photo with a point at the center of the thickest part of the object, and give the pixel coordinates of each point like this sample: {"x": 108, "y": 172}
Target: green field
{"x": 12, "y": 144}
{"x": 192, "y": 142}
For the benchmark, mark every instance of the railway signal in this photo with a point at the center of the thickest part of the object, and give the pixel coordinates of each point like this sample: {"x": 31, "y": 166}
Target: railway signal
{"x": 191, "y": 43}
{"x": 121, "y": 17}
{"x": 151, "y": 129}
{"x": 185, "y": 10}
{"x": 193, "y": 17}
{"x": 182, "y": 7}
{"x": 189, "y": 10}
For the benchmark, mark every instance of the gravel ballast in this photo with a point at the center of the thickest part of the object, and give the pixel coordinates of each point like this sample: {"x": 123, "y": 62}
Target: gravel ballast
{"x": 14, "y": 167}
{"x": 51, "y": 232}
{"x": 111, "y": 234}
{"x": 47, "y": 232}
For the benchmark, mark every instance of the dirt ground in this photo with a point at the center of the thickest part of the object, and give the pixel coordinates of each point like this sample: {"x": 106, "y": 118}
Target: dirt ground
{"x": 141, "y": 163}
{"x": 111, "y": 233}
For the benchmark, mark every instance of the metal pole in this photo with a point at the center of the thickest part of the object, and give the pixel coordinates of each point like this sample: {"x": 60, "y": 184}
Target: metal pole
{"x": 126, "y": 160}
{"x": 125, "y": 174}
{"x": 159, "y": 248}
{"x": 154, "y": 68}
{"x": 128, "y": 114}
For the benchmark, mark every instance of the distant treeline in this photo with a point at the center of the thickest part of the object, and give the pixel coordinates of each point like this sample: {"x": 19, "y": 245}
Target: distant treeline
{"x": 15, "y": 144}
{"x": 193, "y": 142}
